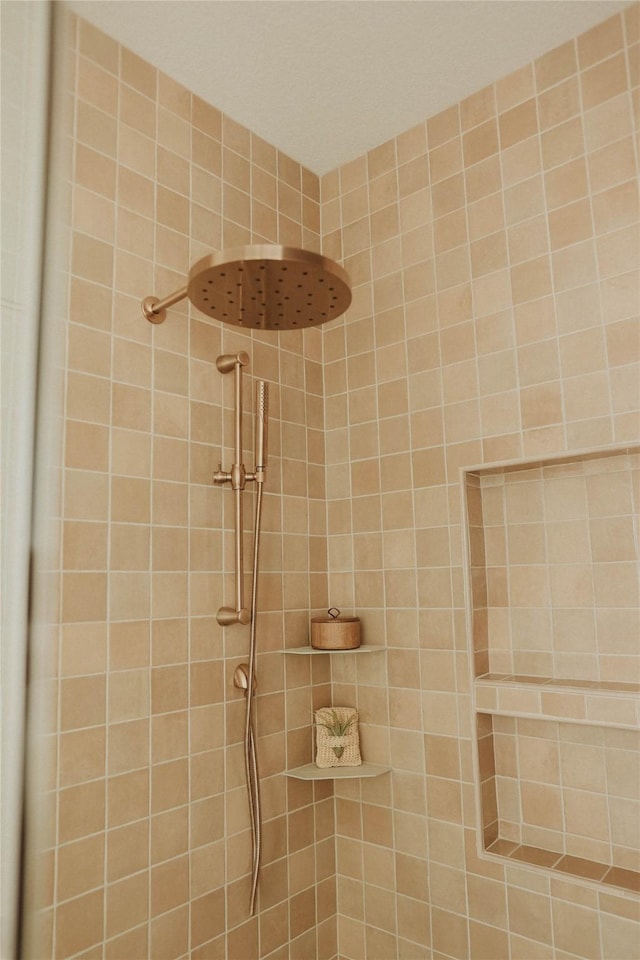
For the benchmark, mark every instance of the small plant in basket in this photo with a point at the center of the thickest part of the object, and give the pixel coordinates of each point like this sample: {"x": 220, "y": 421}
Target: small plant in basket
{"x": 336, "y": 727}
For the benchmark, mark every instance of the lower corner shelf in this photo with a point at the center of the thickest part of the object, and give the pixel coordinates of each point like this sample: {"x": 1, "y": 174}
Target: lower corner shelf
{"x": 315, "y": 651}
{"x": 311, "y": 772}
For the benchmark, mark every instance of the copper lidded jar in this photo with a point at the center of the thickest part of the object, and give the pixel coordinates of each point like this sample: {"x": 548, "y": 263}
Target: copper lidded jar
{"x": 334, "y": 632}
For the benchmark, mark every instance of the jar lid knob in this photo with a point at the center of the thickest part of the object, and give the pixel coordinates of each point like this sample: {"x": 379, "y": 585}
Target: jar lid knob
{"x": 333, "y": 612}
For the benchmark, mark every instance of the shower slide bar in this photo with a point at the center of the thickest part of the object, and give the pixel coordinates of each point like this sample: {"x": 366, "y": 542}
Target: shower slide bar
{"x": 238, "y": 478}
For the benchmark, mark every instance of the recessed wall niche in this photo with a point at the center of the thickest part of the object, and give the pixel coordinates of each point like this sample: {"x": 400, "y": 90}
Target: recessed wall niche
{"x": 553, "y": 611}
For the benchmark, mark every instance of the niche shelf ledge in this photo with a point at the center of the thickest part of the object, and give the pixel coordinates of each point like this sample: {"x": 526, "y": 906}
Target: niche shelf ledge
{"x": 311, "y": 772}
{"x": 587, "y": 702}
{"x": 577, "y": 867}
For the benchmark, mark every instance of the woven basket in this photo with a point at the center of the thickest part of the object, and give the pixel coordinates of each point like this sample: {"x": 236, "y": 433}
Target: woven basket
{"x": 334, "y": 632}
{"x": 337, "y": 751}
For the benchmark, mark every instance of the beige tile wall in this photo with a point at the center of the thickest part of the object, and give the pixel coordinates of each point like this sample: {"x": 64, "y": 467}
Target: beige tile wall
{"x": 569, "y": 789}
{"x": 152, "y": 846}
{"x": 494, "y": 251}
{"x": 561, "y": 556}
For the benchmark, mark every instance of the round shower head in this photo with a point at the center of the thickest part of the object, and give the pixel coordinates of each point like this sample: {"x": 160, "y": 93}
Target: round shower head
{"x": 269, "y": 287}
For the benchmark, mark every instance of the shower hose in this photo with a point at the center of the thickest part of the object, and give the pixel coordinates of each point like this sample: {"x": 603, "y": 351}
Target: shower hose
{"x": 250, "y": 752}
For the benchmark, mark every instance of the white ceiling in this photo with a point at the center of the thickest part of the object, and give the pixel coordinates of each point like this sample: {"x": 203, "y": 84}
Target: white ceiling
{"x": 327, "y": 80}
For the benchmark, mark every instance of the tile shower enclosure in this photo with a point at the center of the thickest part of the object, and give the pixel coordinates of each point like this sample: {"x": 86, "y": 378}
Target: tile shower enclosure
{"x": 494, "y": 256}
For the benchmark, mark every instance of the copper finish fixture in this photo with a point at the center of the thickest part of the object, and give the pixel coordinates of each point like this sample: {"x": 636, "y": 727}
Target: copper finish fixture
{"x": 237, "y": 477}
{"x": 244, "y": 677}
{"x": 263, "y": 287}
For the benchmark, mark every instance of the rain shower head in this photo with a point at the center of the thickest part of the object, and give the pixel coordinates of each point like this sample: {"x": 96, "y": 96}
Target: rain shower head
{"x": 263, "y": 287}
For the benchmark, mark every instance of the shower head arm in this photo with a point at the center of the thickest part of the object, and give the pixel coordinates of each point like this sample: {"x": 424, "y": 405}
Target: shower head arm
{"x": 155, "y": 310}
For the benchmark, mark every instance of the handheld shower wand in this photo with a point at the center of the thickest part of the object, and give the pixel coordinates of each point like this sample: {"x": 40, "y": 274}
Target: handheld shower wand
{"x": 262, "y": 429}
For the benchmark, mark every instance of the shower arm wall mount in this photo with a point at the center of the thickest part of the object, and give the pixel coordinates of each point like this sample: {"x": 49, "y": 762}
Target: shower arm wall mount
{"x": 155, "y": 310}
